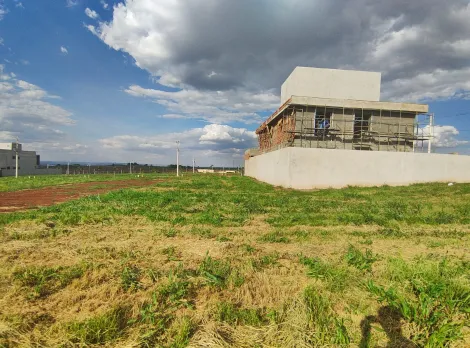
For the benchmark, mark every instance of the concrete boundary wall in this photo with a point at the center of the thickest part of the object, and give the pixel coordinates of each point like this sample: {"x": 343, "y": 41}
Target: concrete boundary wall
{"x": 307, "y": 168}
{"x": 31, "y": 172}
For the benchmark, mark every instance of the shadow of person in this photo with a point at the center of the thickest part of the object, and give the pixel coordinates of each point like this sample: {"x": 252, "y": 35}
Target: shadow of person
{"x": 389, "y": 319}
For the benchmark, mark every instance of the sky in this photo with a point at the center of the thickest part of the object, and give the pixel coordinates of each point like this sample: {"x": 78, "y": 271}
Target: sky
{"x": 121, "y": 81}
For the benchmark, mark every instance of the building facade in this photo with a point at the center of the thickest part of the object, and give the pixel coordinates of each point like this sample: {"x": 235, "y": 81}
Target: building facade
{"x": 340, "y": 109}
{"x": 28, "y": 161}
{"x": 332, "y": 131}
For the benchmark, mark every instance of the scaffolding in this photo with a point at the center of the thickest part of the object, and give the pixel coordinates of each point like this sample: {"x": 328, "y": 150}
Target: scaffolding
{"x": 348, "y": 128}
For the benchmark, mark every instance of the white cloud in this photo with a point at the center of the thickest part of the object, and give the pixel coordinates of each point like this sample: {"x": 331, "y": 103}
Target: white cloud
{"x": 210, "y": 144}
{"x": 19, "y": 5}
{"x": 172, "y": 116}
{"x": 24, "y": 61}
{"x": 104, "y": 4}
{"x": 444, "y": 136}
{"x": 25, "y": 111}
{"x": 63, "y": 50}
{"x": 71, "y": 3}
{"x": 90, "y": 13}
{"x": 211, "y": 106}
{"x": 3, "y": 11}
{"x": 1, "y": 41}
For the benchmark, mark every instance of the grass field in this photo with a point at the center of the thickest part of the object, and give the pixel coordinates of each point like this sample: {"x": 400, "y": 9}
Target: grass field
{"x": 226, "y": 261}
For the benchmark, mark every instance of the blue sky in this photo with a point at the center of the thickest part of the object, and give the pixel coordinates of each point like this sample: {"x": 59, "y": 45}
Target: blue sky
{"x": 116, "y": 81}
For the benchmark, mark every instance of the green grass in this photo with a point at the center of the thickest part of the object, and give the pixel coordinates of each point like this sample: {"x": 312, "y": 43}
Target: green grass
{"x": 44, "y": 281}
{"x": 100, "y": 329}
{"x": 234, "y": 315}
{"x": 227, "y": 261}
{"x": 186, "y": 204}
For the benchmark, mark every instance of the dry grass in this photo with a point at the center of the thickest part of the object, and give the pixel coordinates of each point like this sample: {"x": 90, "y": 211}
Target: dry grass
{"x": 159, "y": 283}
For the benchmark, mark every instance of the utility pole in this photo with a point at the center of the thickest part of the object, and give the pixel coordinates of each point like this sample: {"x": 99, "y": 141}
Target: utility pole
{"x": 177, "y": 158}
{"x": 431, "y": 131}
{"x": 68, "y": 167}
{"x": 194, "y": 165}
{"x": 130, "y": 167}
{"x": 16, "y": 157}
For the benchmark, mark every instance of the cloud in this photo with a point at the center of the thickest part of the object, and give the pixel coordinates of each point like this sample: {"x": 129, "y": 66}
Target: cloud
{"x": 72, "y": 3}
{"x": 24, "y": 62}
{"x": 90, "y": 13}
{"x": 1, "y": 41}
{"x": 208, "y": 144}
{"x": 211, "y": 106}
{"x": 3, "y": 11}
{"x": 104, "y": 4}
{"x": 26, "y": 111}
{"x": 246, "y": 46}
{"x": 444, "y": 136}
{"x": 19, "y": 5}
{"x": 63, "y": 50}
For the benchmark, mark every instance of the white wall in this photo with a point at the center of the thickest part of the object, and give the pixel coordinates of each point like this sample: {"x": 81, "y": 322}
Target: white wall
{"x": 332, "y": 83}
{"x": 301, "y": 168}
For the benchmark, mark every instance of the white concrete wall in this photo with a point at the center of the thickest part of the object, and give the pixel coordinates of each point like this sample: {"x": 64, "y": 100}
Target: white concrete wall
{"x": 332, "y": 83}
{"x": 272, "y": 167}
{"x": 301, "y": 168}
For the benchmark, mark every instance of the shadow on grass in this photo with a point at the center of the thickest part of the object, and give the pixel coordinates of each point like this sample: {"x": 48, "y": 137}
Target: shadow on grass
{"x": 389, "y": 319}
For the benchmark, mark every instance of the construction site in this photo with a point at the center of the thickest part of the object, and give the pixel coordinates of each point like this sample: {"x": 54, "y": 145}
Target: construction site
{"x": 341, "y": 110}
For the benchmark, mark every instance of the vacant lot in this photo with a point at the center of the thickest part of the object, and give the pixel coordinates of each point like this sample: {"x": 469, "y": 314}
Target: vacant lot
{"x": 49, "y": 195}
{"x": 226, "y": 261}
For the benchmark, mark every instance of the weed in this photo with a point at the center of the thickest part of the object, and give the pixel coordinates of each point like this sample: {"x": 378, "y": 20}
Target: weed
{"x": 435, "y": 301}
{"x": 215, "y": 272}
{"x": 182, "y": 331}
{"x": 130, "y": 278}
{"x": 171, "y": 253}
{"x": 223, "y": 239}
{"x": 301, "y": 235}
{"x": 362, "y": 261}
{"x": 202, "y": 232}
{"x": 247, "y": 248}
{"x": 234, "y": 315}
{"x": 274, "y": 237}
{"x": 338, "y": 278}
{"x": 327, "y": 328}
{"x": 265, "y": 261}
{"x": 45, "y": 281}
{"x": 100, "y": 329}
{"x": 175, "y": 291}
{"x": 366, "y": 242}
{"x": 391, "y": 232}
{"x": 170, "y": 232}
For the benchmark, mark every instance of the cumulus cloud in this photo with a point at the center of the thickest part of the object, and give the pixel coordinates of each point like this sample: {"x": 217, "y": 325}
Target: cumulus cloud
{"x": 222, "y": 45}
{"x": 19, "y": 5}
{"x": 104, "y": 4}
{"x": 26, "y": 111}
{"x": 209, "y": 144}
{"x": 444, "y": 136}
{"x": 90, "y": 13}
{"x": 211, "y": 106}
{"x": 63, "y": 50}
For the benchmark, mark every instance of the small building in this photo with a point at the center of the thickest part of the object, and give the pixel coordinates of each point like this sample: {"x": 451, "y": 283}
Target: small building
{"x": 325, "y": 115}
{"x": 28, "y": 161}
